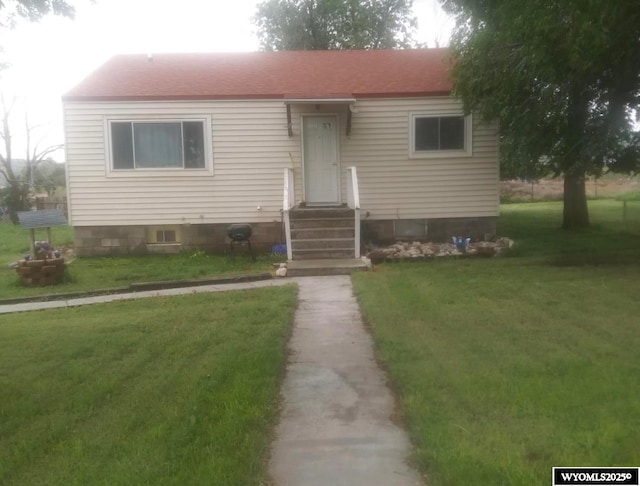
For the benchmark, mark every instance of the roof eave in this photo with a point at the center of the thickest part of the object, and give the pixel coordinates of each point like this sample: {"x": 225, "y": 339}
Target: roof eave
{"x": 279, "y": 96}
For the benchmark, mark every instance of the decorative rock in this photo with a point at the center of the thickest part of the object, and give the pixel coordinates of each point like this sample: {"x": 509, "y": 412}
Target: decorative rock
{"x": 404, "y": 250}
{"x": 484, "y": 250}
{"x": 504, "y": 242}
{"x": 366, "y": 261}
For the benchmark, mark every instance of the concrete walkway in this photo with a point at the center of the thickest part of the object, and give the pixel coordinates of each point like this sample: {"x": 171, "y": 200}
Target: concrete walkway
{"x": 99, "y": 299}
{"x": 336, "y": 426}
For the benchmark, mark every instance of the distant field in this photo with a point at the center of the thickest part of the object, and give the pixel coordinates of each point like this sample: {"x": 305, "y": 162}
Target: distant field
{"x": 609, "y": 186}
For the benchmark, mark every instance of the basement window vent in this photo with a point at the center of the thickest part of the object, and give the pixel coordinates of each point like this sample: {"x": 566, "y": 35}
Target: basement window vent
{"x": 167, "y": 235}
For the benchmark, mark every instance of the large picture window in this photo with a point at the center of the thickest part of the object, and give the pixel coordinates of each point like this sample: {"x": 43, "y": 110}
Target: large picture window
{"x": 158, "y": 145}
{"x": 437, "y": 136}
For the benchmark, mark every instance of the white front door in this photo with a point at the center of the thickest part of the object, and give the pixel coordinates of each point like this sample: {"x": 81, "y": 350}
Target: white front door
{"x": 320, "y": 148}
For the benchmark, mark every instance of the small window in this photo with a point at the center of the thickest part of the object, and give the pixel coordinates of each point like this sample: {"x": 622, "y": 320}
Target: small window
{"x": 157, "y": 145}
{"x": 168, "y": 235}
{"x": 165, "y": 236}
{"x": 439, "y": 136}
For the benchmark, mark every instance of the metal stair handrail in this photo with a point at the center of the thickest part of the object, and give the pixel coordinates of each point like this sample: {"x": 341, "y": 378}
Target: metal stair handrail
{"x": 288, "y": 202}
{"x": 353, "y": 201}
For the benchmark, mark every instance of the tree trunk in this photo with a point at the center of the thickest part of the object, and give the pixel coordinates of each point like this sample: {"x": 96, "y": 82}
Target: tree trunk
{"x": 575, "y": 213}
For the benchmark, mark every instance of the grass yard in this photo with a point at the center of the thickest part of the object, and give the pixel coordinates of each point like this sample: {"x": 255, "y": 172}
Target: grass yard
{"x": 507, "y": 367}
{"x": 110, "y": 272}
{"x": 162, "y": 391}
{"x": 612, "y": 238}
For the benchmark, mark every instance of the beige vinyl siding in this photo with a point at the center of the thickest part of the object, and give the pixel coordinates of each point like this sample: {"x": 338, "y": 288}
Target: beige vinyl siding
{"x": 251, "y": 146}
{"x": 394, "y": 185}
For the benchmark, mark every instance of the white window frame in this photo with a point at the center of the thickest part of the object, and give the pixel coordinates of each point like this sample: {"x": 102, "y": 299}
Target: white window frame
{"x": 438, "y": 154}
{"x": 159, "y": 171}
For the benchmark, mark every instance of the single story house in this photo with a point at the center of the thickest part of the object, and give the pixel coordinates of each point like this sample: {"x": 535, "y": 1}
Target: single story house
{"x": 165, "y": 151}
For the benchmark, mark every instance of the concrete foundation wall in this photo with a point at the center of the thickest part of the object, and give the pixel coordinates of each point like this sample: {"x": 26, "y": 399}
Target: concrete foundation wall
{"x": 132, "y": 240}
{"x": 479, "y": 229}
{"x": 435, "y": 229}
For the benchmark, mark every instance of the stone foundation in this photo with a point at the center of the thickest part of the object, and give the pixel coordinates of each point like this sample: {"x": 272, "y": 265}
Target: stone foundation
{"x": 132, "y": 240}
{"x": 381, "y": 232}
{"x": 212, "y": 238}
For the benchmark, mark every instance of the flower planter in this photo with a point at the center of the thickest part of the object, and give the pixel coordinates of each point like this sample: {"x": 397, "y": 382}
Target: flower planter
{"x": 38, "y": 273}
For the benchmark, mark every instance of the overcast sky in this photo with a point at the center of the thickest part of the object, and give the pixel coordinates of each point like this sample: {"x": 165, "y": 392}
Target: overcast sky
{"x": 50, "y": 57}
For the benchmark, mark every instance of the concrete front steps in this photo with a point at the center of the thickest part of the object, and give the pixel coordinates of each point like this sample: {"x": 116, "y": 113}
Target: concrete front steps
{"x": 322, "y": 233}
{"x": 323, "y": 242}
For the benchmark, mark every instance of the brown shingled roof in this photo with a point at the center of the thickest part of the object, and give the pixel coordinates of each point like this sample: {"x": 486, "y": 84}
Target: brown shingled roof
{"x": 267, "y": 75}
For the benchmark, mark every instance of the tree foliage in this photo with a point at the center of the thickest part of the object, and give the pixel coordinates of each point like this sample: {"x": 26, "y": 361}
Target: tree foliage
{"x": 32, "y": 10}
{"x": 48, "y": 176}
{"x": 563, "y": 79}
{"x": 11, "y": 11}
{"x": 335, "y": 24}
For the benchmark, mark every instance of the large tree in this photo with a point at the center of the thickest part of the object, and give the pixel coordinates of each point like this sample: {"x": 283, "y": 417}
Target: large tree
{"x": 562, "y": 78}
{"x": 335, "y": 24}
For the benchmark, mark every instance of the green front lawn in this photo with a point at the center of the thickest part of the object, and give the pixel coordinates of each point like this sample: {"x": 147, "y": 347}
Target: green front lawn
{"x": 160, "y": 391}
{"x": 509, "y": 366}
{"x": 110, "y": 272}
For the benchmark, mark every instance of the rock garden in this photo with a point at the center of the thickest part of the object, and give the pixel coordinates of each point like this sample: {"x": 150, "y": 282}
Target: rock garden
{"x": 420, "y": 250}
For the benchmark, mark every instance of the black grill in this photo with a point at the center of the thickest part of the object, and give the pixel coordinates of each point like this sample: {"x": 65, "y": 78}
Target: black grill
{"x": 239, "y": 233}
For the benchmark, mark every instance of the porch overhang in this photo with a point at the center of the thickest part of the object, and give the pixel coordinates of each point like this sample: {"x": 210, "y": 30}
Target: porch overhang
{"x": 348, "y": 101}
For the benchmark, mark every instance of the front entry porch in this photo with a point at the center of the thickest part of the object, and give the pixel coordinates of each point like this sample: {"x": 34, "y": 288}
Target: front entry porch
{"x": 322, "y": 240}
{"x": 322, "y": 232}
